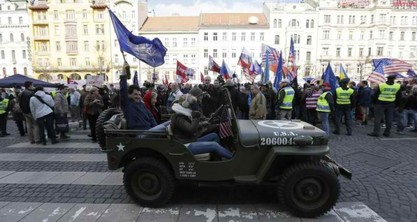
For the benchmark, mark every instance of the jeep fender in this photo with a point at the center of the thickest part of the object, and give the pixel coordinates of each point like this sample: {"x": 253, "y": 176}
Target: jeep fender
{"x": 276, "y": 151}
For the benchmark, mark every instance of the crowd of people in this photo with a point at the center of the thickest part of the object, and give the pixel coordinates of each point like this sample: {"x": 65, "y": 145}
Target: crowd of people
{"x": 36, "y": 111}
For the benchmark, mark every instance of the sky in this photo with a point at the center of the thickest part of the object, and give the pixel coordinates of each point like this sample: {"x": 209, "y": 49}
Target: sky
{"x": 195, "y": 7}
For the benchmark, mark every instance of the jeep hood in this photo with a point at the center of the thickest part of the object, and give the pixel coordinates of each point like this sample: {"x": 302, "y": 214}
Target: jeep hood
{"x": 274, "y": 132}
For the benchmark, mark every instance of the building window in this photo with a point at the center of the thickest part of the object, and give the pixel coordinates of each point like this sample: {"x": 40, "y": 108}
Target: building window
{"x": 325, "y": 51}
{"x": 308, "y": 56}
{"x": 9, "y": 20}
{"x": 413, "y": 36}
{"x": 349, "y": 52}
{"x": 312, "y": 23}
{"x": 382, "y": 18}
{"x": 224, "y": 53}
{"x": 57, "y": 30}
{"x": 214, "y": 53}
{"x": 381, "y": 34}
{"x": 70, "y": 15}
{"x": 185, "y": 42}
{"x": 294, "y": 23}
{"x": 215, "y": 36}
{"x": 337, "y": 52}
{"x": 279, "y": 23}
{"x": 391, "y": 35}
{"x": 206, "y": 36}
{"x": 193, "y": 41}
{"x": 307, "y": 23}
{"x": 261, "y": 36}
{"x": 1, "y": 37}
{"x": 380, "y": 51}
{"x": 252, "y": 36}
{"x": 58, "y": 46}
{"x": 362, "y": 35}
{"x": 71, "y": 47}
{"x": 326, "y": 18}
{"x": 393, "y": 20}
{"x": 193, "y": 57}
{"x": 276, "y": 39}
{"x": 233, "y": 36}
{"x": 85, "y": 14}
{"x": 174, "y": 42}
{"x": 339, "y": 35}
{"x": 360, "y": 52}
{"x": 56, "y": 15}
{"x": 185, "y": 59}
{"x": 404, "y": 20}
{"x": 275, "y": 23}
{"x": 73, "y": 61}
{"x": 233, "y": 54}
{"x": 59, "y": 61}
{"x": 369, "y": 51}
{"x": 24, "y": 54}
{"x": 340, "y": 19}
{"x": 20, "y": 20}
{"x": 371, "y": 35}
{"x": 243, "y": 37}
{"x": 205, "y": 53}
{"x": 350, "y": 35}
{"x": 86, "y": 46}
{"x": 2, "y": 54}
{"x": 372, "y": 19}
{"x": 25, "y": 71}
{"x": 351, "y": 19}
{"x": 326, "y": 34}
{"x": 224, "y": 38}
{"x": 100, "y": 29}
{"x": 166, "y": 42}
{"x": 309, "y": 40}
{"x": 22, "y": 37}
{"x": 85, "y": 28}
{"x": 363, "y": 18}
{"x": 11, "y": 37}
{"x": 402, "y": 36}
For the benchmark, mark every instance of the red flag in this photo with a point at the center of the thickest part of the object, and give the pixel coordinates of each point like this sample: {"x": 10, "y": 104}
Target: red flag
{"x": 166, "y": 80}
{"x": 202, "y": 77}
{"x": 213, "y": 66}
{"x": 182, "y": 71}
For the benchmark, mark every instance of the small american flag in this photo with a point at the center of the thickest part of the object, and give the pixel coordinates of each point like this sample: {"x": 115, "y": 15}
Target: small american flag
{"x": 377, "y": 75}
{"x": 225, "y": 129}
{"x": 396, "y": 65}
{"x": 272, "y": 54}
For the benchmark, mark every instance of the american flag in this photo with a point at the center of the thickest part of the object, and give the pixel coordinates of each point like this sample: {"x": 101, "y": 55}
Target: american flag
{"x": 411, "y": 74}
{"x": 291, "y": 58}
{"x": 377, "y": 75}
{"x": 396, "y": 65}
{"x": 225, "y": 129}
{"x": 272, "y": 54}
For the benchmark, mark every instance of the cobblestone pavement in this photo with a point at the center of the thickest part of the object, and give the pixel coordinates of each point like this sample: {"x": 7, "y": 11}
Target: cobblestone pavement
{"x": 384, "y": 176}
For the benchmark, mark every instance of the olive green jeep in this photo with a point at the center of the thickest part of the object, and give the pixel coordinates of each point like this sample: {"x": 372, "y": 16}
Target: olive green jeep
{"x": 293, "y": 155}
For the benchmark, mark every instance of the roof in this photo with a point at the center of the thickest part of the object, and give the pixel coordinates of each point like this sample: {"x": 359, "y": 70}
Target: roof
{"x": 170, "y": 23}
{"x": 233, "y": 19}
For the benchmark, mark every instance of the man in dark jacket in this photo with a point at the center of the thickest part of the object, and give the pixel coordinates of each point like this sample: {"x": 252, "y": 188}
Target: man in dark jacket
{"x": 364, "y": 101}
{"x": 138, "y": 117}
{"x": 210, "y": 102}
{"x": 32, "y": 125}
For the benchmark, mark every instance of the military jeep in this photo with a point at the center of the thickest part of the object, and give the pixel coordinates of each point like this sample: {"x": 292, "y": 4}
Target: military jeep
{"x": 293, "y": 155}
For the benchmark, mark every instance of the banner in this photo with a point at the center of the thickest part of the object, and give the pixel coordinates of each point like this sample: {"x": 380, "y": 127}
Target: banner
{"x": 95, "y": 80}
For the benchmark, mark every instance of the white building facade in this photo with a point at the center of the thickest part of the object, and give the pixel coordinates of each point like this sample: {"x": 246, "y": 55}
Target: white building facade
{"x": 15, "y": 54}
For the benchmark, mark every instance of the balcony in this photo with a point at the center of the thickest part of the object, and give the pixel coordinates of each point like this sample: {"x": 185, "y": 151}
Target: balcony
{"x": 41, "y": 38}
{"x": 40, "y": 5}
{"x": 98, "y": 4}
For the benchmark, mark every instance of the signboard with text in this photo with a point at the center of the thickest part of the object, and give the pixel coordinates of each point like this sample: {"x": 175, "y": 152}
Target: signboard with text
{"x": 354, "y": 3}
{"x": 95, "y": 80}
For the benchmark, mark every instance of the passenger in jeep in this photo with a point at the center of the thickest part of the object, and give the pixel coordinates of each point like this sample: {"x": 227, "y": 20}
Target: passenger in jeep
{"x": 138, "y": 117}
{"x": 187, "y": 126}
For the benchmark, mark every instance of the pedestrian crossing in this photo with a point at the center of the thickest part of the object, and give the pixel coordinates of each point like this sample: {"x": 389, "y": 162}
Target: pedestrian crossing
{"x": 91, "y": 193}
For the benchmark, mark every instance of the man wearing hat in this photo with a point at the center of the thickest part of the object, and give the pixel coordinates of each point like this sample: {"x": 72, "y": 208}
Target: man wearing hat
{"x": 344, "y": 104}
{"x": 285, "y": 98}
{"x": 325, "y": 106}
{"x": 384, "y": 99}
{"x": 61, "y": 111}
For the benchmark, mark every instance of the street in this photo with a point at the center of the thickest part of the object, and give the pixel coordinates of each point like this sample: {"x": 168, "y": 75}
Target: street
{"x": 69, "y": 181}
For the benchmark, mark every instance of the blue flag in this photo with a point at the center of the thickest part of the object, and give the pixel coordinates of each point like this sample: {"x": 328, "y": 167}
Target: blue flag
{"x": 278, "y": 73}
{"x": 411, "y": 73}
{"x": 151, "y": 52}
{"x": 266, "y": 72}
{"x": 329, "y": 77}
{"x": 135, "y": 79}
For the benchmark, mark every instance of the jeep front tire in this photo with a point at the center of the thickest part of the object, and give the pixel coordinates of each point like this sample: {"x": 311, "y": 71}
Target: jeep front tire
{"x": 149, "y": 182}
{"x": 308, "y": 189}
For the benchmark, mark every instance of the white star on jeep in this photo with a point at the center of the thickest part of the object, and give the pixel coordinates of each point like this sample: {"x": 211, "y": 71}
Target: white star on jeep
{"x": 121, "y": 147}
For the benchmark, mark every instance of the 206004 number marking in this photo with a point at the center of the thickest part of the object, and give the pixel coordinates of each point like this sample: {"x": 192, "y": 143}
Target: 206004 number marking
{"x": 277, "y": 141}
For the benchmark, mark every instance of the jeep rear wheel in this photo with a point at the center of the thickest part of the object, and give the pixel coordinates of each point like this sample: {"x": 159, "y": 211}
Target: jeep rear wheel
{"x": 149, "y": 182}
{"x": 308, "y": 189}
{"x": 103, "y": 117}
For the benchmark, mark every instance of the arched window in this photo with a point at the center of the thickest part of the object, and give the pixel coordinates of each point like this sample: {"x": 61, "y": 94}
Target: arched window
{"x": 11, "y": 37}
{"x": 307, "y": 23}
{"x": 276, "y": 39}
{"x": 75, "y": 76}
{"x": 14, "y": 70}
{"x": 275, "y": 23}
{"x": 87, "y": 75}
{"x": 309, "y": 40}
{"x": 280, "y": 23}
{"x": 22, "y": 37}
{"x": 60, "y": 76}
{"x": 45, "y": 77}
{"x": 312, "y": 23}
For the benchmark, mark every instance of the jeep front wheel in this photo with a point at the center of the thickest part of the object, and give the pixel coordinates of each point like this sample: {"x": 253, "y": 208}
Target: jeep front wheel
{"x": 149, "y": 182}
{"x": 308, "y": 189}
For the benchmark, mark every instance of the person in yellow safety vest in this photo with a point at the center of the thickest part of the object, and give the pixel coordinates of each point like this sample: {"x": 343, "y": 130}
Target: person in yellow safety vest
{"x": 325, "y": 106}
{"x": 285, "y": 98}
{"x": 4, "y": 110}
{"x": 384, "y": 99}
{"x": 345, "y": 102}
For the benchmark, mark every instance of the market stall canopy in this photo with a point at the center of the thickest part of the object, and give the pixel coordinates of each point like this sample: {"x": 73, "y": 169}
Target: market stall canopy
{"x": 18, "y": 80}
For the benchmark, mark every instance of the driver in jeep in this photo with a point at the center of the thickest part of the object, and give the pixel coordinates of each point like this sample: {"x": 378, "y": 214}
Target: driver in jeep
{"x": 188, "y": 124}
